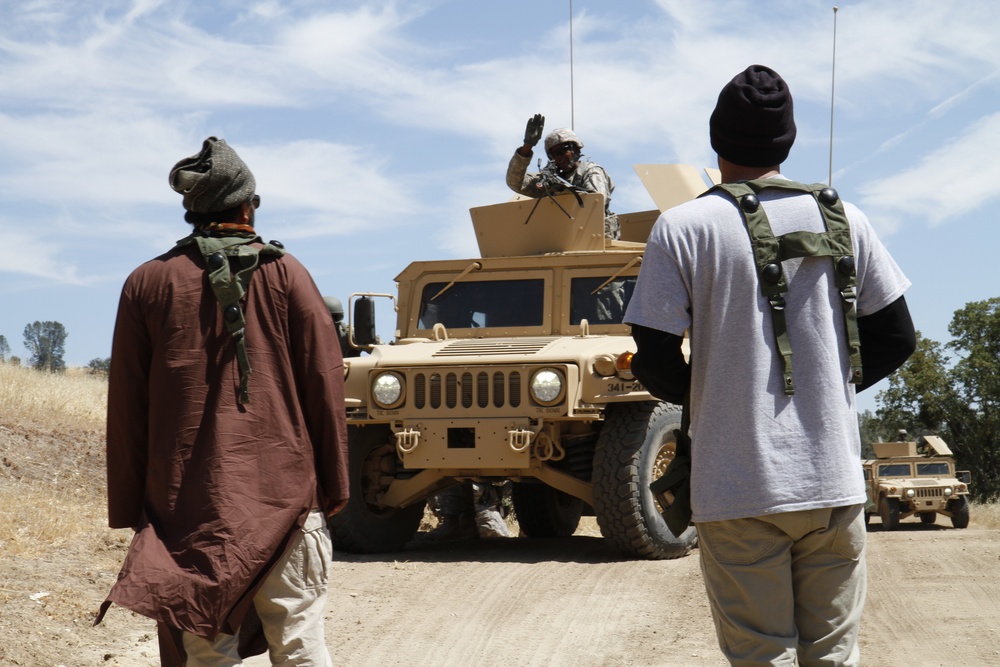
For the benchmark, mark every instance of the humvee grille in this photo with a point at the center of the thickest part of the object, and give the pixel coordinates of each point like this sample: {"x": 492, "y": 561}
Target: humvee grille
{"x": 437, "y": 390}
{"x": 495, "y": 346}
{"x": 929, "y": 493}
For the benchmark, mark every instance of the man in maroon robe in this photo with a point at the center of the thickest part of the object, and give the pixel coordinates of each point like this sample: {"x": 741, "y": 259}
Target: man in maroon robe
{"x": 226, "y": 434}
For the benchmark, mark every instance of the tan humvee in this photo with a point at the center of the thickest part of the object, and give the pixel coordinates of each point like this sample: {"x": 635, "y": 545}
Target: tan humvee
{"x": 902, "y": 482}
{"x": 516, "y": 366}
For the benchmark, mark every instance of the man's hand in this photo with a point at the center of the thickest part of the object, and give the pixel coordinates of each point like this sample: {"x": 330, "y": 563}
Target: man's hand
{"x": 533, "y": 131}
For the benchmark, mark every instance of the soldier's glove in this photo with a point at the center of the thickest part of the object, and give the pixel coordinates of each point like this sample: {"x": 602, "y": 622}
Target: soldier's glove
{"x": 533, "y": 130}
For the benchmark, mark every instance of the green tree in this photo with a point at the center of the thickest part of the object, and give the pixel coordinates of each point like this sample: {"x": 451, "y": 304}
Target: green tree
{"x": 975, "y": 424}
{"x": 920, "y": 396}
{"x": 99, "y": 366}
{"x": 871, "y": 430}
{"x": 47, "y": 343}
{"x": 4, "y": 348}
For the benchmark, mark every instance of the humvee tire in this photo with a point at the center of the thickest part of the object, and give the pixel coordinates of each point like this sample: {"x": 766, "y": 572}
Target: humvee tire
{"x": 363, "y": 527}
{"x": 542, "y": 511}
{"x": 928, "y": 517}
{"x": 889, "y": 512}
{"x": 635, "y": 444}
{"x": 959, "y": 508}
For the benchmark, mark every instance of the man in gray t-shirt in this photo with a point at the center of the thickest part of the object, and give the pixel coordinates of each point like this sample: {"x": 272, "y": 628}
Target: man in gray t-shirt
{"x": 777, "y": 490}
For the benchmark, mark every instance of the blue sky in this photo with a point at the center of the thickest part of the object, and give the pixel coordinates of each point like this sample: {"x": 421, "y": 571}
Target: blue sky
{"x": 372, "y": 127}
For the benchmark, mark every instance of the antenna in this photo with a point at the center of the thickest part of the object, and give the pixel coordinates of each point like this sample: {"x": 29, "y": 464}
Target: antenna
{"x": 833, "y": 76}
{"x": 572, "y": 108}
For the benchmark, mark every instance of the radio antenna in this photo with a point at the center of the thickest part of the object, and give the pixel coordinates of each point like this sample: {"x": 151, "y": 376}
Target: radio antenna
{"x": 833, "y": 77}
{"x": 572, "y": 108}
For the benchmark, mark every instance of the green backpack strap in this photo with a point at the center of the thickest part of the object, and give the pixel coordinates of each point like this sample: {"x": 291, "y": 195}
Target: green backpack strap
{"x": 770, "y": 251}
{"x": 230, "y": 263}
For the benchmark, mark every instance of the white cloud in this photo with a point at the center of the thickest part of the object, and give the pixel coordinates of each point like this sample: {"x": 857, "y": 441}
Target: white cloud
{"x": 28, "y": 253}
{"x": 326, "y": 188}
{"x": 948, "y": 183}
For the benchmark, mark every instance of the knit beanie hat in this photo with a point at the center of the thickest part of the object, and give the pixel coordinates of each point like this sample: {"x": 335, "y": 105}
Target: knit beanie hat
{"x": 216, "y": 179}
{"x": 753, "y": 124}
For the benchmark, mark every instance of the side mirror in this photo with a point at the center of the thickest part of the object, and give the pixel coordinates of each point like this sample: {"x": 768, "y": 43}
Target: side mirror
{"x": 364, "y": 322}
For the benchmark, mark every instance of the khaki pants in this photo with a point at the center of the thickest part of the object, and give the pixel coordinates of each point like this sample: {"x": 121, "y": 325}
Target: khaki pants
{"x": 290, "y": 605}
{"x": 788, "y": 588}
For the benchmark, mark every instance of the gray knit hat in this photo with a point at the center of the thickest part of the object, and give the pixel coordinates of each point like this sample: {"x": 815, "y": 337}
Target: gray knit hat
{"x": 216, "y": 179}
{"x": 753, "y": 123}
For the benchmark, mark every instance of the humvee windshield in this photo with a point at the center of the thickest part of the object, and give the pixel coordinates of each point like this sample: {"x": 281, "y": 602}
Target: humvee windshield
{"x": 895, "y": 470}
{"x": 520, "y": 303}
{"x": 935, "y": 469}
{"x": 483, "y": 303}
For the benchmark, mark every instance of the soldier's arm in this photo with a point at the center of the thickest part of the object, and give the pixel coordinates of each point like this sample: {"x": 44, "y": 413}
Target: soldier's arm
{"x": 518, "y": 178}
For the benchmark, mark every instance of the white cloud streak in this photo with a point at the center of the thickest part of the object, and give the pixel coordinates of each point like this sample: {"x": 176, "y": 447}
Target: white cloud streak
{"x": 948, "y": 183}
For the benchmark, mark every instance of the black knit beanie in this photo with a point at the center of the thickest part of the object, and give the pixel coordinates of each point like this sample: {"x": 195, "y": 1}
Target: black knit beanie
{"x": 753, "y": 124}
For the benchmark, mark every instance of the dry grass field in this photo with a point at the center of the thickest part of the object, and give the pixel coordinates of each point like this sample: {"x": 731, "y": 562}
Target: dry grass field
{"x": 58, "y": 560}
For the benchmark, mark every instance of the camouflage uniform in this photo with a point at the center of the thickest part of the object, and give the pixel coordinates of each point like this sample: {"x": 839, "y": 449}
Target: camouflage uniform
{"x": 587, "y": 176}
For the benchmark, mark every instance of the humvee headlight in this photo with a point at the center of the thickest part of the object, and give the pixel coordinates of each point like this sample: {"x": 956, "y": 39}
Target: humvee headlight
{"x": 947, "y": 491}
{"x": 604, "y": 365}
{"x": 547, "y": 386}
{"x": 387, "y": 390}
{"x": 910, "y": 493}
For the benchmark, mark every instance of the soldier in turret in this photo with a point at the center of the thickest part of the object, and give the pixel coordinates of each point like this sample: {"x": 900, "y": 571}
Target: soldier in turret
{"x": 565, "y": 171}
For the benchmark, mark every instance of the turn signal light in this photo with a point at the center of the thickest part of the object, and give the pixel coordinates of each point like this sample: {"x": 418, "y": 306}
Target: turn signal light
{"x": 623, "y": 365}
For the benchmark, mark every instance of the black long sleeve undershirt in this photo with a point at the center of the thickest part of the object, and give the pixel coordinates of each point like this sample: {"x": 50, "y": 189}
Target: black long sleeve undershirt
{"x": 659, "y": 363}
{"x": 887, "y": 341}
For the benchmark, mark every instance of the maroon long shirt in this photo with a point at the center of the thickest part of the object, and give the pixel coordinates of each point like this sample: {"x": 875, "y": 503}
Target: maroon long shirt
{"x": 216, "y": 490}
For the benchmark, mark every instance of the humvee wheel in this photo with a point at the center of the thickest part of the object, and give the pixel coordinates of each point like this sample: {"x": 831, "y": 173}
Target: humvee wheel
{"x": 635, "y": 445}
{"x": 545, "y": 512}
{"x": 889, "y": 511}
{"x": 364, "y": 526}
{"x": 959, "y": 508}
{"x": 928, "y": 517}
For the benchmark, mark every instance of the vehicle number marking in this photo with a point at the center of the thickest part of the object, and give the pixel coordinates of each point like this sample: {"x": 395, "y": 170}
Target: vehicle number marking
{"x": 624, "y": 387}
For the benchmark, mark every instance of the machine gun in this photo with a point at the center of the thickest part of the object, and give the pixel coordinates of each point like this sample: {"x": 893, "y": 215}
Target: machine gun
{"x": 551, "y": 183}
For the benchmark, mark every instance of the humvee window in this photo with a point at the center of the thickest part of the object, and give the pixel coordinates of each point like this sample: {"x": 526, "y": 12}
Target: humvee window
{"x": 607, "y": 306}
{"x": 937, "y": 468}
{"x": 895, "y": 470}
{"x": 483, "y": 303}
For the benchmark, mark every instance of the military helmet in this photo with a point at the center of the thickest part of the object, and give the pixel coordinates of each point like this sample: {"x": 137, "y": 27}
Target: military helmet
{"x": 562, "y": 135}
{"x": 336, "y": 308}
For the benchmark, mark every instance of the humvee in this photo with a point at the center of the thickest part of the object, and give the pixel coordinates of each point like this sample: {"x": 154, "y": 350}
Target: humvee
{"x": 515, "y": 365}
{"x": 903, "y": 482}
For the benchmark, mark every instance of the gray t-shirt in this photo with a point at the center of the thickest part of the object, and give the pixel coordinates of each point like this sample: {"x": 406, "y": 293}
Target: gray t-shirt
{"x": 756, "y": 451}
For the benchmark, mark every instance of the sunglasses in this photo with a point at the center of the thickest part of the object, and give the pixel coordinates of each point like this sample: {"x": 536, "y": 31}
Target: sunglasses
{"x": 559, "y": 149}
{"x": 255, "y": 200}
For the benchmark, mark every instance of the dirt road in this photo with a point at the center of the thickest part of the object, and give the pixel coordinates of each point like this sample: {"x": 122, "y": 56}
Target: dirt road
{"x": 934, "y": 599}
